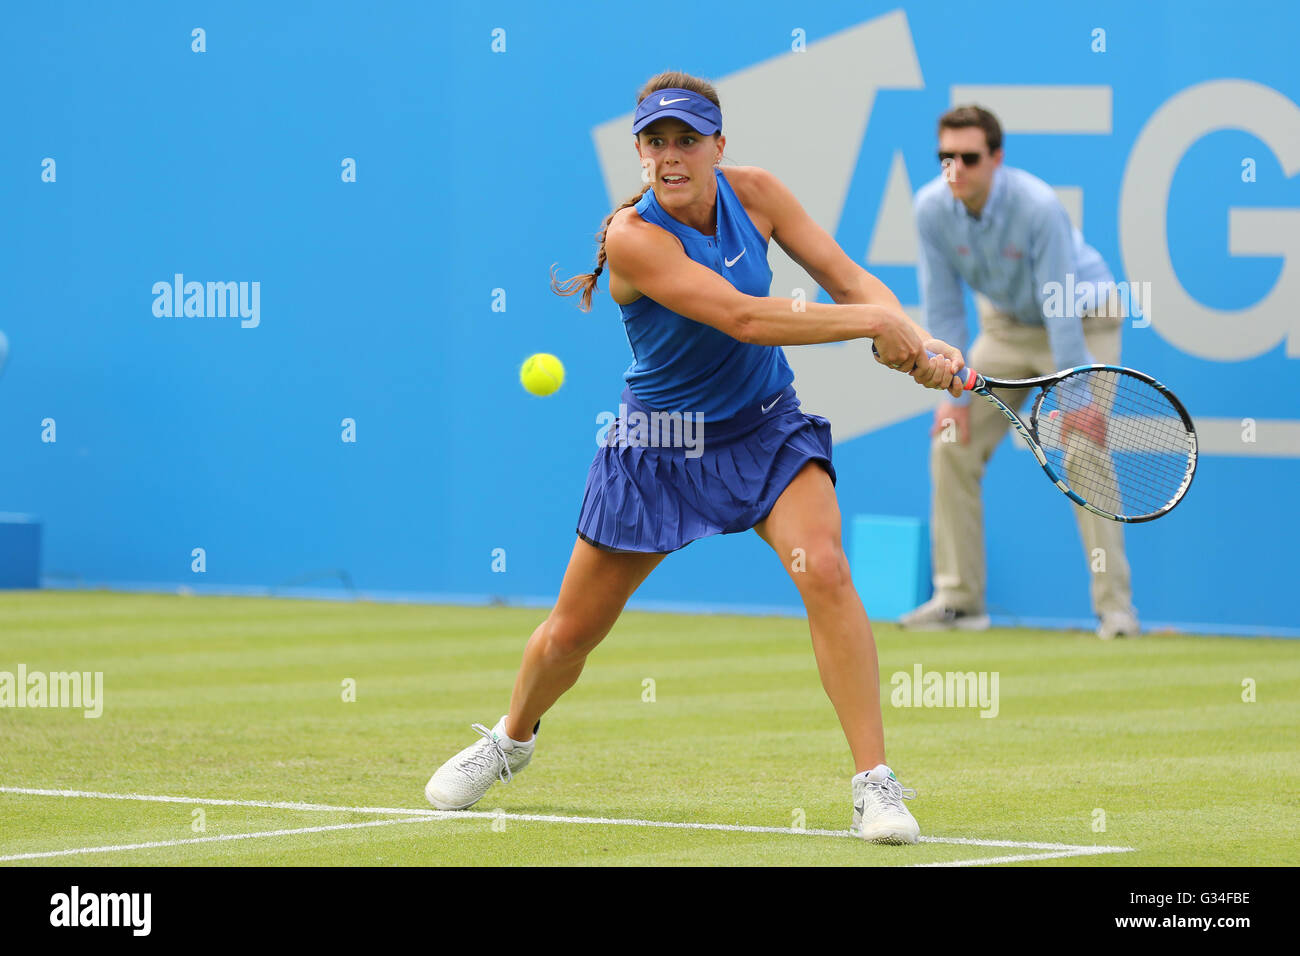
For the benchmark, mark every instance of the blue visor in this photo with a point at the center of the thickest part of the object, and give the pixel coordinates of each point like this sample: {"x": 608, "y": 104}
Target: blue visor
{"x": 697, "y": 112}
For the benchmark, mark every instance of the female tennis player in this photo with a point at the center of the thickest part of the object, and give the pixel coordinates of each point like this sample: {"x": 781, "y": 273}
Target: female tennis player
{"x": 687, "y": 262}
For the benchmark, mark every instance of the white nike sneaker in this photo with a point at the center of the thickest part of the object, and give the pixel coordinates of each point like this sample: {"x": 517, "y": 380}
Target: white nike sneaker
{"x": 461, "y": 781}
{"x": 878, "y": 811}
{"x": 935, "y": 615}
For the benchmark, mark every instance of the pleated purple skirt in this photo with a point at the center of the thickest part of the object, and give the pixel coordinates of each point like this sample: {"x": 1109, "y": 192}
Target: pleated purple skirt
{"x": 660, "y": 482}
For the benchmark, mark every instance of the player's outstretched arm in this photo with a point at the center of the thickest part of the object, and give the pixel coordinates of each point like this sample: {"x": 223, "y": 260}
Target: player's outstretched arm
{"x": 813, "y": 248}
{"x": 652, "y": 262}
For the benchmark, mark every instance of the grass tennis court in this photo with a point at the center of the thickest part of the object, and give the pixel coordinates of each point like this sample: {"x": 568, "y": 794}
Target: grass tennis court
{"x": 242, "y": 700}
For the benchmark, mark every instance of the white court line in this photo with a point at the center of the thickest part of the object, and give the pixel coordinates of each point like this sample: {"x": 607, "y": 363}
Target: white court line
{"x": 988, "y": 860}
{"x": 211, "y": 839}
{"x": 213, "y": 802}
{"x": 1064, "y": 849}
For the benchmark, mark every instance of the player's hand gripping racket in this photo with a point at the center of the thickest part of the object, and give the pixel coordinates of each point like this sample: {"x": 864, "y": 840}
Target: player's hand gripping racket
{"x": 1114, "y": 440}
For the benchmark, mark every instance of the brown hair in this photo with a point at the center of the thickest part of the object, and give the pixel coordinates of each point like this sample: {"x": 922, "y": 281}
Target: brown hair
{"x": 962, "y": 117}
{"x": 586, "y": 284}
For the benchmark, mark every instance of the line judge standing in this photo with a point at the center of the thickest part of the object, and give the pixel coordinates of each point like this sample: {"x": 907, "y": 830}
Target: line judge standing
{"x": 1004, "y": 233}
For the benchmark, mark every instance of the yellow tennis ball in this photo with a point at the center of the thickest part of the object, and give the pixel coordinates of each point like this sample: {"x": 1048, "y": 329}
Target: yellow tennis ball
{"x": 542, "y": 373}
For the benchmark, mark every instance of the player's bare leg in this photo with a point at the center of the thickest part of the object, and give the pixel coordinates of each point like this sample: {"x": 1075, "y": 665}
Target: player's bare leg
{"x": 596, "y": 586}
{"x": 803, "y": 528}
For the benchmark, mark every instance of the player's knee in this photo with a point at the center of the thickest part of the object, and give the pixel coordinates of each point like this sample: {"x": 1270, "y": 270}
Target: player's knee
{"x": 567, "y": 639}
{"x": 823, "y": 568}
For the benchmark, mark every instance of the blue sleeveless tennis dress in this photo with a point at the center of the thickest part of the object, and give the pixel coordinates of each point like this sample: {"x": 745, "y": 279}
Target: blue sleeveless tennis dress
{"x": 709, "y": 430}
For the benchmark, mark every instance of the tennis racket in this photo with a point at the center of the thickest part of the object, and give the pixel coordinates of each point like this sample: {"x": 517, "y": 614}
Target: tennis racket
{"x": 1115, "y": 440}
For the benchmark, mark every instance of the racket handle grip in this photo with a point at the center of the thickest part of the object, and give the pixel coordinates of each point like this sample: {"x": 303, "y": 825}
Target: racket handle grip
{"x": 968, "y": 375}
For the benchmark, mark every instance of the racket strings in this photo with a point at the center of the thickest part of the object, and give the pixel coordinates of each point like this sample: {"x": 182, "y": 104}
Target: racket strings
{"x": 1117, "y": 440}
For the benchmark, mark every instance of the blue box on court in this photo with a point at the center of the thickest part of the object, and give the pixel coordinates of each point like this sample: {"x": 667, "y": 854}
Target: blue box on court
{"x": 20, "y": 551}
{"x": 890, "y": 561}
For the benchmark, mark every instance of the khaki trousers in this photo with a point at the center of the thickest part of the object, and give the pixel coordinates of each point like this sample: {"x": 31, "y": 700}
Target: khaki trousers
{"x": 1009, "y": 349}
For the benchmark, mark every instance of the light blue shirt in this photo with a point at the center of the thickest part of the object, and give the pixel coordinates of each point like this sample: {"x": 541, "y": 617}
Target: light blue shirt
{"x": 1022, "y": 242}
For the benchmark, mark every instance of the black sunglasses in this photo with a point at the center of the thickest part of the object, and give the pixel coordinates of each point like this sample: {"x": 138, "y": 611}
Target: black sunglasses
{"x": 968, "y": 159}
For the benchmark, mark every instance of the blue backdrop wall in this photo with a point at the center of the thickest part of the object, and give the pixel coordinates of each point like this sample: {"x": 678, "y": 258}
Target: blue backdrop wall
{"x": 488, "y": 144}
